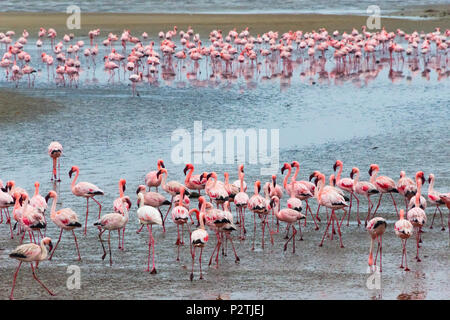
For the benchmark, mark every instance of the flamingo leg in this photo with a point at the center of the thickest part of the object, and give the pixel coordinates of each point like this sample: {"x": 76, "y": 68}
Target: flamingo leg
{"x": 36, "y": 278}
{"x": 417, "y": 244}
{"x": 200, "y": 260}
{"x": 56, "y": 246}
{"x": 162, "y": 218}
{"x": 378, "y": 205}
{"x": 109, "y": 248}
{"x": 101, "y": 241}
{"x": 87, "y": 213}
{"x": 442, "y": 219}
{"x": 140, "y": 229}
{"x": 76, "y": 245}
{"x": 434, "y": 215}
{"x": 317, "y": 213}
{"x": 153, "y": 251}
{"x": 326, "y": 231}
{"x": 14, "y": 281}
{"x": 357, "y": 210}
{"x": 99, "y": 207}
{"x": 289, "y": 239}
{"x": 254, "y": 230}
{"x": 234, "y": 250}
{"x": 406, "y": 259}
{"x": 339, "y": 229}
{"x": 193, "y": 261}
{"x": 395, "y": 205}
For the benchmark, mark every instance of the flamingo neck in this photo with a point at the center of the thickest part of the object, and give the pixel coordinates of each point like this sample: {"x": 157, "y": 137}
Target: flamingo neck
{"x": 125, "y": 211}
{"x": 141, "y": 199}
{"x": 241, "y": 181}
{"x": 189, "y": 175}
{"x": 431, "y": 186}
{"x": 53, "y": 209}
{"x": 180, "y": 203}
{"x": 355, "y": 181}
{"x": 419, "y": 188}
{"x": 287, "y": 178}
{"x": 120, "y": 190}
{"x": 294, "y": 177}
{"x": 75, "y": 179}
{"x": 36, "y": 190}
{"x": 374, "y": 176}
{"x": 338, "y": 177}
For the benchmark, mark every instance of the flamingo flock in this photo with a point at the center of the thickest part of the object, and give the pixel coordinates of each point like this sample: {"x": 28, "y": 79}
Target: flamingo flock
{"x": 288, "y": 204}
{"x": 183, "y": 56}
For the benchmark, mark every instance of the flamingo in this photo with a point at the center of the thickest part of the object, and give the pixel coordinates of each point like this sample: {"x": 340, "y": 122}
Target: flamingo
{"x": 31, "y": 219}
{"x": 37, "y": 201}
{"x": 290, "y": 216}
{"x": 406, "y": 187}
{"x": 346, "y": 184}
{"x": 435, "y": 200}
{"x": 199, "y": 237}
{"x": 6, "y": 201}
{"x": 417, "y": 215}
{"x": 148, "y": 216}
{"x": 215, "y": 189}
{"x": 118, "y": 207}
{"x": 403, "y": 229}
{"x": 303, "y": 190}
{"x": 445, "y": 197}
{"x": 237, "y": 183}
{"x": 376, "y": 227}
{"x": 55, "y": 151}
{"x": 241, "y": 201}
{"x": 172, "y": 187}
{"x": 153, "y": 199}
{"x": 330, "y": 198}
{"x": 363, "y": 188}
{"x": 112, "y": 221}
{"x": 86, "y": 190}
{"x": 180, "y": 216}
{"x": 31, "y": 252}
{"x": 151, "y": 179}
{"x": 261, "y": 206}
{"x": 194, "y": 182}
{"x": 66, "y": 219}
{"x": 384, "y": 184}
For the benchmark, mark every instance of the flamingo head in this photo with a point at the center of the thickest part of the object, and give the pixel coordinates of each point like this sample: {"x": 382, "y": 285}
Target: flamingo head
{"x": 420, "y": 175}
{"x": 258, "y": 186}
{"x": 274, "y": 180}
{"x": 313, "y": 175}
{"x": 189, "y": 166}
{"x": 122, "y": 184}
{"x": 286, "y": 166}
{"x": 72, "y": 170}
{"x": 36, "y": 184}
{"x": 201, "y": 201}
{"x": 17, "y": 197}
{"x": 337, "y": 164}
{"x": 226, "y": 175}
{"x": 430, "y": 177}
{"x": 211, "y": 174}
{"x": 10, "y": 184}
{"x": 402, "y": 174}
{"x": 48, "y": 242}
{"x": 241, "y": 168}
{"x": 160, "y": 171}
{"x": 295, "y": 164}
{"x": 51, "y": 194}
{"x": 141, "y": 188}
{"x": 373, "y": 167}
{"x": 161, "y": 163}
{"x": 354, "y": 171}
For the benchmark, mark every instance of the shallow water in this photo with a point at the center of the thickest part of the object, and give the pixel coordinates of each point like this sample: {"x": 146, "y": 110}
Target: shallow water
{"x": 111, "y": 135}
{"x": 213, "y": 6}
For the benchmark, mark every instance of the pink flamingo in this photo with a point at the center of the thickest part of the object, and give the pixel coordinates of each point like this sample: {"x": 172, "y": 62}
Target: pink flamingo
{"x": 148, "y": 216}
{"x": 31, "y": 252}
{"x": 172, "y": 187}
{"x": 31, "y": 219}
{"x": 261, "y": 206}
{"x": 216, "y": 190}
{"x": 6, "y": 201}
{"x": 180, "y": 216}
{"x": 241, "y": 201}
{"x": 330, "y": 198}
{"x": 363, "y": 188}
{"x": 151, "y": 179}
{"x": 37, "y": 201}
{"x": 153, "y": 199}
{"x": 290, "y": 216}
{"x": 194, "y": 182}
{"x": 112, "y": 221}
{"x": 199, "y": 237}
{"x": 403, "y": 229}
{"x": 384, "y": 184}
{"x": 237, "y": 183}
{"x": 435, "y": 200}
{"x": 86, "y": 190}
{"x": 346, "y": 184}
{"x": 446, "y": 198}
{"x": 118, "y": 207}
{"x": 417, "y": 215}
{"x": 55, "y": 151}
{"x": 376, "y": 227}
{"x": 66, "y": 219}
{"x": 303, "y": 190}
{"x": 406, "y": 187}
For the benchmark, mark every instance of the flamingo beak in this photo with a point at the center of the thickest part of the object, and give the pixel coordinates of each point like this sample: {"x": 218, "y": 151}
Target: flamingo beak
{"x": 370, "y": 171}
{"x": 208, "y": 176}
{"x": 162, "y": 164}
{"x": 351, "y": 174}
{"x": 282, "y": 169}
{"x": 47, "y": 197}
{"x": 335, "y": 166}
{"x": 312, "y": 176}
{"x": 70, "y": 173}
{"x": 185, "y": 170}
{"x": 50, "y": 246}
{"x": 4, "y": 189}
{"x": 124, "y": 187}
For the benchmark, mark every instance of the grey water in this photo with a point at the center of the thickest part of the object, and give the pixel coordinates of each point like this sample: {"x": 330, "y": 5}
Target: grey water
{"x": 214, "y": 6}
{"x": 400, "y": 125}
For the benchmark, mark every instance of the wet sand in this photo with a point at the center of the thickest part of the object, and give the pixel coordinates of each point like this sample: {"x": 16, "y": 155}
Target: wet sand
{"x": 204, "y": 23}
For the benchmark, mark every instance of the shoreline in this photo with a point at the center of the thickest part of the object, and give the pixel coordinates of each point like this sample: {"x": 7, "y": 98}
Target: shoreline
{"x": 152, "y": 23}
